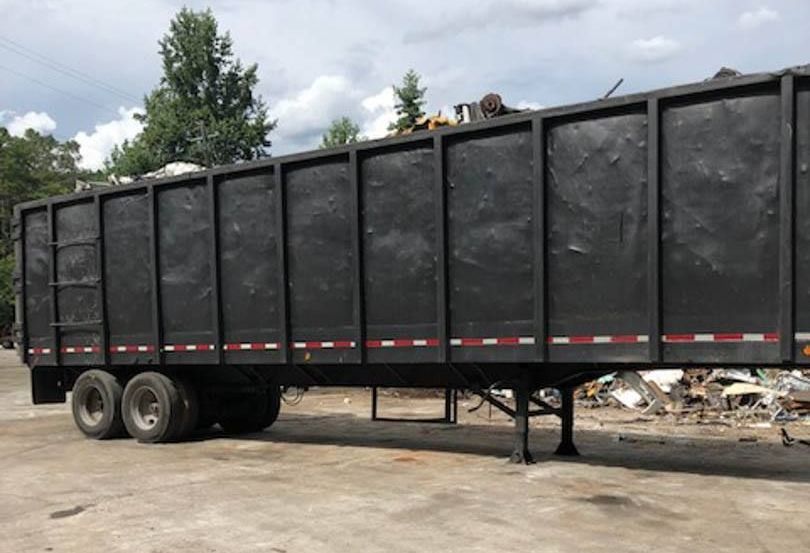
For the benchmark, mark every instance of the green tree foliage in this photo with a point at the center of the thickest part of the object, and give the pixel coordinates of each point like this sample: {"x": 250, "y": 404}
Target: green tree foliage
{"x": 31, "y": 167}
{"x": 410, "y": 100}
{"x": 204, "y": 110}
{"x": 341, "y": 131}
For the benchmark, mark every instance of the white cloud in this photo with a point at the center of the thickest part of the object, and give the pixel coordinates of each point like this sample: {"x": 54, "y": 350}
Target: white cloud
{"x": 97, "y": 146}
{"x": 527, "y": 104}
{"x": 466, "y": 16}
{"x": 379, "y": 113}
{"x": 654, "y": 49}
{"x": 39, "y": 121}
{"x": 757, "y": 18}
{"x": 305, "y": 115}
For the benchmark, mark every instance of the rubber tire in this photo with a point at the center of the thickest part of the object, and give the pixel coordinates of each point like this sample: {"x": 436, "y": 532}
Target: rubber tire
{"x": 111, "y": 424}
{"x": 191, "y": 407}
{"x": 170, "y": 407}
{"x": 273, "y": 406}
{"x": 260, "y": 415}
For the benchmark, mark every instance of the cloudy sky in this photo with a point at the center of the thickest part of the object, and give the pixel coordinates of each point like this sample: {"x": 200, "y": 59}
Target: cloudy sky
{"x": 78, "y": 69}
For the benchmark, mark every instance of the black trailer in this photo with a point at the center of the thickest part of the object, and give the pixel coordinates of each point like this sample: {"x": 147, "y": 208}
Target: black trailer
{"x": 538, "y": 249}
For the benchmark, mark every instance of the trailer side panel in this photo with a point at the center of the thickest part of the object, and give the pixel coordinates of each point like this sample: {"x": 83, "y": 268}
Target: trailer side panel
{"x": 597, "y": 239}
{"x": 127, "y": 272}
{"x": 249, "y": 266}
{"x": 491, "y": 255}
{"x": 184, "y": 259}
{"x": 321, "y": 262}
{"x": 399, "y": 255}
{"x": 720, "y": 224}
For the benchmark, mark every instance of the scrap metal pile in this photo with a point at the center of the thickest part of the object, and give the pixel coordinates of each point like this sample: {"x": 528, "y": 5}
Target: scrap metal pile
{"x": 733, "y": 395}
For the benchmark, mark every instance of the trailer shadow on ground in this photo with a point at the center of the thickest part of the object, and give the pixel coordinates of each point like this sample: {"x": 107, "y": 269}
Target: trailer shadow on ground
{"x": 696, "y": 455}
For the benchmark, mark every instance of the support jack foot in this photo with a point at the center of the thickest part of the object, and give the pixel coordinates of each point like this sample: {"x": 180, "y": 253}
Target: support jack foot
{"x": 566, "y": 450}
{"x": 521, "y": 457}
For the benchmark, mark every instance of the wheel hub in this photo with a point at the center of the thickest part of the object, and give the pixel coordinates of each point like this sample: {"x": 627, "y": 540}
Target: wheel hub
{"x": 92, "y": 407}
{"x": 145, "y": 409}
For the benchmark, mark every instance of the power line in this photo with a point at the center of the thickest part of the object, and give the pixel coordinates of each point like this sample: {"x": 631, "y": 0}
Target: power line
{"x": 31, "y": 55}
{"x": 59, "y": 90}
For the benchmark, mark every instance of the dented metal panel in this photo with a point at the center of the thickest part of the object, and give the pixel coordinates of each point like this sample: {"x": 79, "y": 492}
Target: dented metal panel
{"x": 321, "y": 261}
{"x": 184, "y": 254}
{"x": 127, "y": 271}
{"x": 489, "y": 196}
{"x": 597, "y": 235}
{"x": 37, "y": 292}
{"x": 720, "y": 231}
{"x": 399, "y": 254}
{"x": 77, "y": 282}
{"x": 802, "y": 214}
{"x": 250, "y": 294}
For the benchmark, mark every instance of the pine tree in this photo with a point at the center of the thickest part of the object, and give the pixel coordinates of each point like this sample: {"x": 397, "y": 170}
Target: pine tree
{"x": 410, "y": 99}
{"x": 341, "y": 131}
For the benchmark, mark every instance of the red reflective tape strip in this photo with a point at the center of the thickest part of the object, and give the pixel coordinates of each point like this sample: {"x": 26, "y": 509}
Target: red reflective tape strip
{"x": 581, "y": 339}
{"x": 728, "y": 337}
{"x": 679, "y": 337}
{"x": 629, "y": 339}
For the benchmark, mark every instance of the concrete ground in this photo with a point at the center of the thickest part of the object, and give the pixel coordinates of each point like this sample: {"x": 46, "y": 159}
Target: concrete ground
{"x": 325, "y": 478}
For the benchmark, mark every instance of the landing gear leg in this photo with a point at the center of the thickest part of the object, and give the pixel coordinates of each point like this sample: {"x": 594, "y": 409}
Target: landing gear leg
{"x": 567, "y": 447}
{"x": 521, "y": 453}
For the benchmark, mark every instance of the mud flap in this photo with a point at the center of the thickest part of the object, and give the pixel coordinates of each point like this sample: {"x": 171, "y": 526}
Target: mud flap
{"x": 47, "y": 385}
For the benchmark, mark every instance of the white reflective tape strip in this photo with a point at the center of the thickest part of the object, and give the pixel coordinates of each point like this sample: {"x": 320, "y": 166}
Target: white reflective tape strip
{"x": 168, "y": 347}
{"x": 585, "y": 340}
{"x": 803, "y": 336}
{"x": 499, "y": 341}
{"x": 704, "y": 337}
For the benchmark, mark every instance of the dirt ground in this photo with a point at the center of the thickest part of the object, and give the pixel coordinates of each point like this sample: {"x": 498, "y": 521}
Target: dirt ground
{"x": 326, "y": 478}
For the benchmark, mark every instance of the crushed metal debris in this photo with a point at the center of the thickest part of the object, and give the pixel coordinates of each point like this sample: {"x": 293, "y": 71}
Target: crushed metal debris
{"x": 751, "y": 396}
